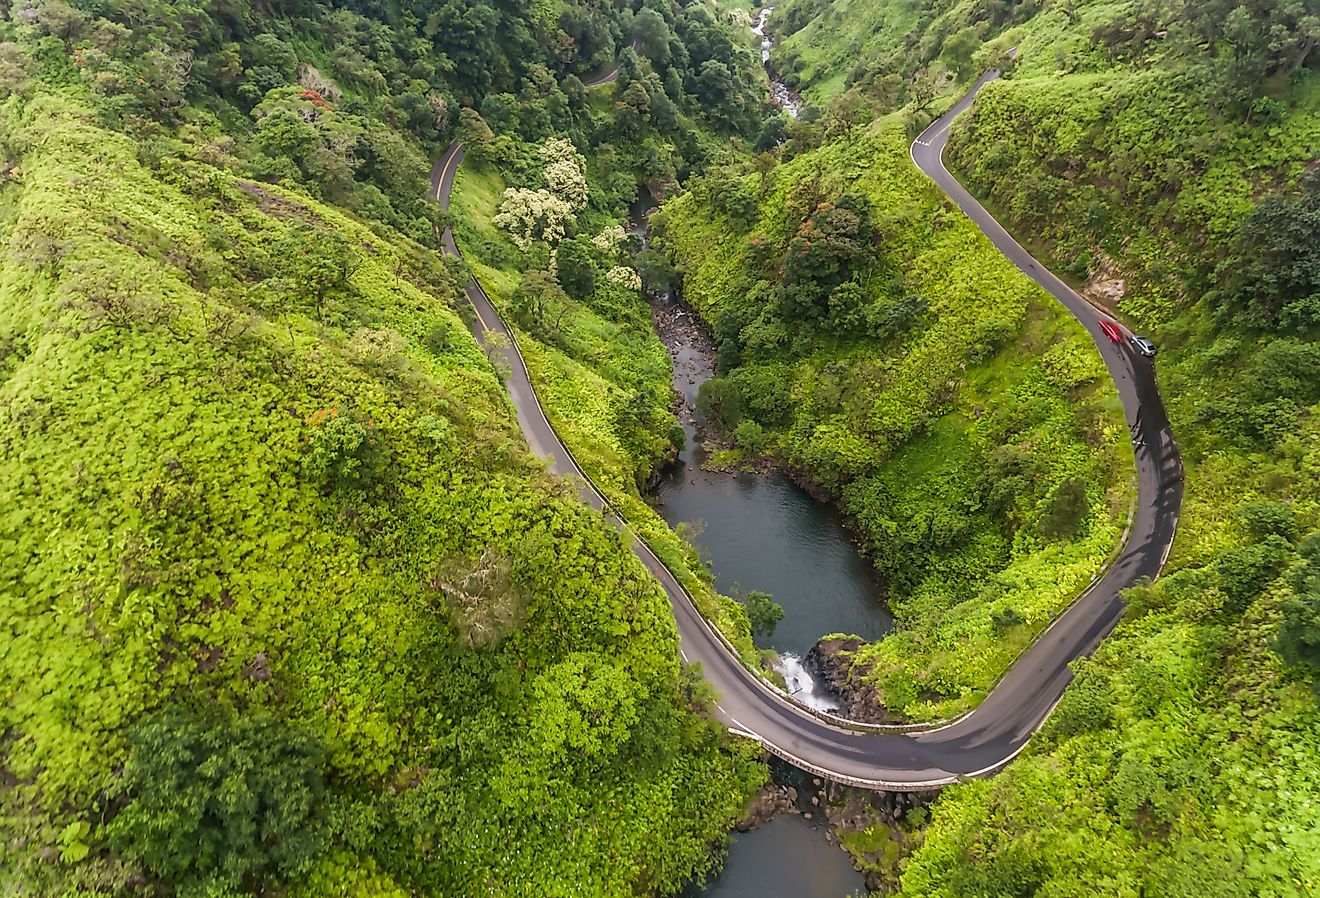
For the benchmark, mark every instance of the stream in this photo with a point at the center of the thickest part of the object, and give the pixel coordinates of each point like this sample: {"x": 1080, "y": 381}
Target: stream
{"x": 781, "y": 94}
{"x": 787, "y": 857}
{"x": 761, "y": 531}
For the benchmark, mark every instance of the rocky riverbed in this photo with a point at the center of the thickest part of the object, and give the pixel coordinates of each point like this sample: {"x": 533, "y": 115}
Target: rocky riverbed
{"x": 876, "y": 829}
{"x": 781, "y": 94}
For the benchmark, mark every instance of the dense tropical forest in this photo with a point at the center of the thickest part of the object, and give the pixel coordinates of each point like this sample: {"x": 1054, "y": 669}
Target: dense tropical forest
{"x": 1162, "y": 154}
{"x": 289, "y": 608}
{"x": 960, "y": 416}
{"x": 542, "y": 222}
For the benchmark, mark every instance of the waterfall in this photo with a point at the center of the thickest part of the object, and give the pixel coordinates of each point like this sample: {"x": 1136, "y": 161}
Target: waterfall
{"x": 801, "y": 686}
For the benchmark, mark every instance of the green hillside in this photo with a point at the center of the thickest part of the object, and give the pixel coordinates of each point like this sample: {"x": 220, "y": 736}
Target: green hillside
{"x": 571, "y": 292}
{"x": 1162, "y": 145}
{"x": 960, "y": 417}
{"x": 895, "y": 52}
{"x": 287, "y": 607}
{"x": 1159, "y": 153}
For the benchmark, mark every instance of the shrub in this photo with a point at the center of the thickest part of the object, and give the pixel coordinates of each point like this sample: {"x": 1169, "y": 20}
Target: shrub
{"x": 576, "y": 271}
{"x": 1005, "y": 619}
{"x": 1268, "y": 518}
{"x": 749, "y": 435}
{"x": 764, "y": 613}
{"x": 1245, "y": 572}
{"x": 1299, "y": 633}
{"x": 343, "y": 454}
{"x": 720, "y": 401}
{"x": 219, "y": 801}
{"x": 1087, "y": 704}
{"x": 677, "y": 436}
{"x": 438, "y": 338}
{"x": 1065, "y": 510}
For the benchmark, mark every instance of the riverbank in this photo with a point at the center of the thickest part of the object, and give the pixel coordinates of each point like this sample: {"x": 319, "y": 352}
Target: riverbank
{"x": 756, "y": 527}
{"x": 825, "y": 674}
{"x": 948, "y": 430}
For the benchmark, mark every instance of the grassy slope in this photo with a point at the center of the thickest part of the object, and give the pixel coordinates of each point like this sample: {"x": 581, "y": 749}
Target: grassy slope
{"x": 1182, "y": 763}
{"x": 1123, "y": 165}
{"x": 579, "y": 391}
{"x": 841, "y": 42}
{"x": 159, "y": 532}
{"x": 821, "y": 53}
{"x": 913, "y": 425}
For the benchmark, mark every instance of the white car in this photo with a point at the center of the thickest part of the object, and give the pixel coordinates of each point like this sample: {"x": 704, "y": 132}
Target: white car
{"x": 1144, "y": 346}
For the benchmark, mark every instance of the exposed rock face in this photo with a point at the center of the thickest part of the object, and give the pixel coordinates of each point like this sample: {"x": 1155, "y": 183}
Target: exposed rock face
{"x": 830, "y": 663}
{"x": 1105, "y": 287}
{"x": 855, "y": 809}
{"x": 769, "y": 803}
{"x": 878, "y": 829}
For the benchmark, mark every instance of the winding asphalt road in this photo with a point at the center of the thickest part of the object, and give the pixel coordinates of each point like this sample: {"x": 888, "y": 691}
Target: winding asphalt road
{"x": 611, "y": 75}
{"x": 984, "y": 740}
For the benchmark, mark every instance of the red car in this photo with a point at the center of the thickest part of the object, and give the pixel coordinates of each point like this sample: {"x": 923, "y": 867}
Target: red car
{"x": 1111, "y": 331}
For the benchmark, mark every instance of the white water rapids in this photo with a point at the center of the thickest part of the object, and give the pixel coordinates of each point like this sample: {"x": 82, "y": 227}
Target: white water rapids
{"x": 759, "y": 30}
{"x": 780, "y": 93}
{"x": 801, "y": 686}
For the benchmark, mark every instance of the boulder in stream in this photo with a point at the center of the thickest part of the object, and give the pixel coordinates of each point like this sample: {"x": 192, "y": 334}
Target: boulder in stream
{"x": 768, "y": 804}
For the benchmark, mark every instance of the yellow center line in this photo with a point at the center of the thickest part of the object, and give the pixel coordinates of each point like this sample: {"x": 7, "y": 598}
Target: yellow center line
{"x": 476, "y": 308}
{"x": 440, "y": 184}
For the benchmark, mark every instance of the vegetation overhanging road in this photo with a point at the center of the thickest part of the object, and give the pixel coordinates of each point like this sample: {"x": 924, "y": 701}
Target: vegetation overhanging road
{"x": 984, "y": 740}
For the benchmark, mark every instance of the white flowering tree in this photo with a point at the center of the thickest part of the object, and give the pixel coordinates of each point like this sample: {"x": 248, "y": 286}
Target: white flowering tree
{"x": 625, "y": 277}
{"x": 608, "y": 240}
{"x": 565, "y": 171}
{"x": 544, "y": 214}
{"x": 531, "y": 215}
{"x": 565, "y": 180}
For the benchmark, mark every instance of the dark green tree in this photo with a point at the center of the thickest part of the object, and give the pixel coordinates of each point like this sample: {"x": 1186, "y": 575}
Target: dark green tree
{"x": 1244, "y": 572}
{"x": 834, "y": 239}
{"x": 538, "y": 303}
{"x": 763, "y": 611}
{"x": 773, "y": 133}
{"x": 576, "y": 267}
{"x": 639, "y": 423}
{"x": 316, "y": 264}
{"x": 344, "y": 454}
{"x": 1272, "y": 279}
{"x": 658, "y": 274}
{"x": 1299, "y": 633}
{"x": 653, "y": 36}
{"x": 1268, "y": 517}
{"x": 220, "y": 801}
{"x": 1064, "y": 510}
{"x": 959, "y": 49}
{"x": 720, "y": 400}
